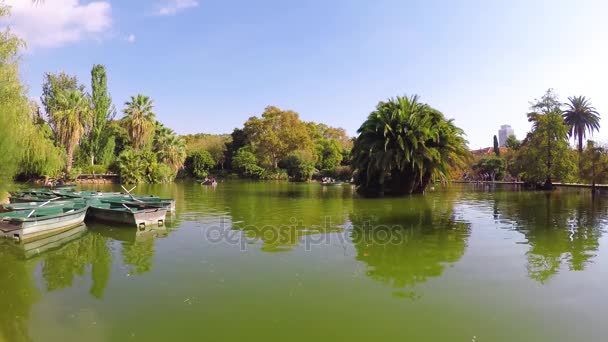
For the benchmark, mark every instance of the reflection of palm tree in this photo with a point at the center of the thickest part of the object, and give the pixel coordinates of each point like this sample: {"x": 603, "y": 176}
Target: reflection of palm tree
{"x": 424, "y": 238}
{"x": 559, "y": 228}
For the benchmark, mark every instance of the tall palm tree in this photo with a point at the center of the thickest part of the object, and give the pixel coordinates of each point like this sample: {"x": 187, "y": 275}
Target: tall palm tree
{"x": 170, "y": 148}
{"x": 581, "y": 117}
{"x": 139, "y": 120}
{"x": 403, "y": 145}
{"x": 71, "y": 121}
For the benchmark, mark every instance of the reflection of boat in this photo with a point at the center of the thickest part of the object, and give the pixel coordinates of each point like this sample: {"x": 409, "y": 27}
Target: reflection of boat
{"x": 33, "y": 248}
{"x": 128, "y": 235}
{"x": 41, "y": 222}
{"x": 130, "y": 214}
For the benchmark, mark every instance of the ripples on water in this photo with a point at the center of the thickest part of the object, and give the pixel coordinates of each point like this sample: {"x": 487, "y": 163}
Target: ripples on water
{"x": 268, "y": 261}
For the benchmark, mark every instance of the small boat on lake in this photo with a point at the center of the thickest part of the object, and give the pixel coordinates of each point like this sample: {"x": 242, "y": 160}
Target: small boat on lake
{"x": 152, "y": 202}
{"x": 59, "y": 203}
{"x": 129, "y": 214}
{"x": 41, "y": 222}
{"x": 331, "y": 183}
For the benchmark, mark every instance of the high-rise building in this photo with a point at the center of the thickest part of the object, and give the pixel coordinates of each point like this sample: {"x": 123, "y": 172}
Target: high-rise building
{"x": 503, "y": 133}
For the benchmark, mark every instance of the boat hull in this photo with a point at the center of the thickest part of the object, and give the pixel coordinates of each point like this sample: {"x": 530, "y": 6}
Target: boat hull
{"x": 145, "y": 217}
{"x": 30, "y": 230}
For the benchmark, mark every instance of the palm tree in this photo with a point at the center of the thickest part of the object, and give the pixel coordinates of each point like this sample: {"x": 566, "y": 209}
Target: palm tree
{"x": 581, "y": 117}
{"x": 403, "y": 145}
{"x": 71, "y": 120}
{"x": 139, "y": 120}
{"x": 170, "y": 148}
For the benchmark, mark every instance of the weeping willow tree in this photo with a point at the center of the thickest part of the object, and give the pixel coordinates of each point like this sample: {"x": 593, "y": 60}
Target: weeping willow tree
{"x": 13, "y": 105}
{"x": 26, "y": 144}
{"x": 403, "y": 146}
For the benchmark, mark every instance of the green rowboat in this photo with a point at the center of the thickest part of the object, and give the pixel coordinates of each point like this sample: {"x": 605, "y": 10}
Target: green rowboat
{"x": 128, "y": 214}
{"x": 41, "y": 222}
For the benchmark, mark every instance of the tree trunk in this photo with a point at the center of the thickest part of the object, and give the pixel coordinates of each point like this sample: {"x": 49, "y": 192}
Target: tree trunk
{"x": 92, "y": 159}
{"x": 68, "y": 164}
{"x": 580, "y": 151}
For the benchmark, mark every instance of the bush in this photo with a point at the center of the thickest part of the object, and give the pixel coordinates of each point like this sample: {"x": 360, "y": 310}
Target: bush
{"x": 163, "y": 174}
{"x": 199, "y": 163}
{"x": 342, "y": 172}
{"x": 95, "y": 169}
{"x": 299, "y": 165}
{"x": 245, "y": 163}
{"x": 74, "y": 173}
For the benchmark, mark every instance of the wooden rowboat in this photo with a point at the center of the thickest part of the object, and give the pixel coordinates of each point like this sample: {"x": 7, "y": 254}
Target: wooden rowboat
{"x": 41, "y": 222}
{"x": 128, "y": 214}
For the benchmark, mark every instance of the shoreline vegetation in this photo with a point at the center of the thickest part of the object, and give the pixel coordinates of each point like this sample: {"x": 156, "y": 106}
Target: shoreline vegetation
{"x": 402, "y": 147}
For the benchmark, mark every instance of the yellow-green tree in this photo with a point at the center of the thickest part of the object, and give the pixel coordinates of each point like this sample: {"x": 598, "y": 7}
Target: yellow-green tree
{"x": 276, "y": 134}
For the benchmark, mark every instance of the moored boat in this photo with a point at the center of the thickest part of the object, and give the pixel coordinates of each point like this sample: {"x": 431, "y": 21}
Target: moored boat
{"x": 128, "y": 214}
{"x": 152, "y": 202}
{"x": 36, "y": 205}
{"x": 41, "y": 222}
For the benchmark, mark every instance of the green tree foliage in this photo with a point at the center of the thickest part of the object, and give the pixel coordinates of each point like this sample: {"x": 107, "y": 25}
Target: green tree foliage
{"x": 594, "y": 165}
{"x": 215, "y": 144}
{"x": 139, "y": 120}
{"x": 545, "y": 155}
{"x": 581, "y": 118}
{"x": 200, "y": 162}
{"x": 26, "y": 145}
{"x": 237, "y": 140}
{"x": 328, "y": 154}
{"x": 142, "y": 167}
{"x": 493, "y": 166}
{"x": 13, "y": 105}
{"x": 403, "y": 145}
{"x": 496, "y": 147}
{"x": 94, "y": 146}
{"x": 170, "y": 148}
{"x": 53, "y": 86}
{"x": 299, "y": 165}
{"x": 71, "y": 118}
{"x": 245, "y": 163}
{"x": 512, "y": 143}
{"x": 276, "y": 134}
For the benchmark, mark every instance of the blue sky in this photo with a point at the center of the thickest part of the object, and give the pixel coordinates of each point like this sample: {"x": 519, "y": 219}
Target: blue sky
{"x": 209, "y": 65}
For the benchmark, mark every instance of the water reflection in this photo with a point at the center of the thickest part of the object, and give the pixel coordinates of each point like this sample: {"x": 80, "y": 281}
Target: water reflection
{"x": 560, "y": 227}
{"x": 64, "y": 260}
{"x": 280, "y": 215}
{"x": 404, "y": 243}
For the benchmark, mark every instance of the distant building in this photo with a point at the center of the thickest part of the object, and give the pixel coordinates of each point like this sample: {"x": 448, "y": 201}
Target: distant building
{"x": 504, "y": 132}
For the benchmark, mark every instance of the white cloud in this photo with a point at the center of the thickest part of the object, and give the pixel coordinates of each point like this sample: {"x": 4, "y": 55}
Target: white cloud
{"x": 172, "y": 7}
{"x": 130, "y": 38}
{"x": 53, "y": 23}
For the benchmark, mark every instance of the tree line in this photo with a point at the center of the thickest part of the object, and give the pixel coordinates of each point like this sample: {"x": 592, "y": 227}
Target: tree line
{"x": 275, "y": 145}
{"x": 545, "y": 155}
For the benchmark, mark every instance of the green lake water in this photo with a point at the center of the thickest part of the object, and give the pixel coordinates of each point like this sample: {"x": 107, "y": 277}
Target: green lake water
{"x": 300, "y": 262}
